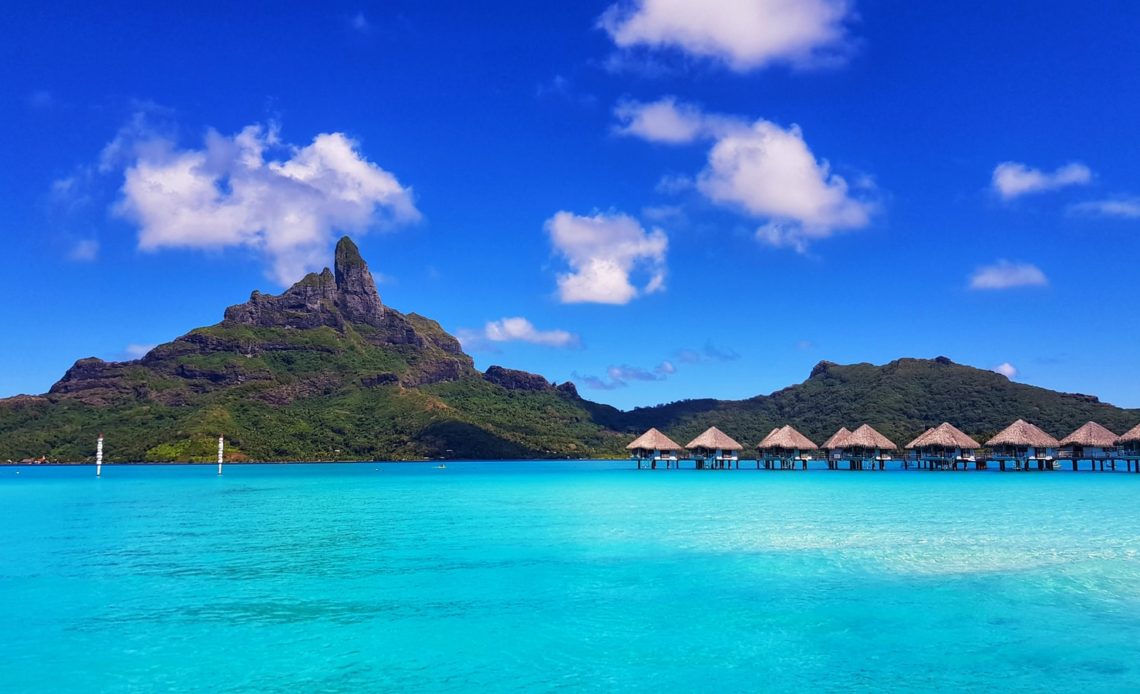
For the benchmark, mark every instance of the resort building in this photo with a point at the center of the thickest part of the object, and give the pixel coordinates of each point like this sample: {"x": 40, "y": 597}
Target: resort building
{"x": 1022, "y": 444}
{"x": 944, "y": 447}
{"x": 866, "y": 448}
{"x": 1129, "y": 443}
{"x": 1090, "y": 442}
{"x": 654, "y": 447}
{"x": 783, "y": 448}
{"x": 833, "y": 447}
{"x": 714, "y": 449}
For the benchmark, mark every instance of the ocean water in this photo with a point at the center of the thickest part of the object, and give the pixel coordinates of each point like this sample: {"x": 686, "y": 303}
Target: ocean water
{"x": 580, "y": 576}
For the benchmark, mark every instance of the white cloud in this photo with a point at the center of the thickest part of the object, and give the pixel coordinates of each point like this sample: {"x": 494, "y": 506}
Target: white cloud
{"x": 233, "y": 192}
{"x": 1006, "y": 275}
{"x": 1006, "y": 369}
{"x": 1124, "y": 208}
{"x": 764, "y": 169}
{"x": 520, "y": 329}
{"x": 360, "y": 23}
{"x": 744, "y": 34}
{"x": 603, "y": 251}
{"x": 84, "y": 251}
{"x": 770, "y": 172}
{"x": 667, "y": 120}
{"x": 673, "y": 122}
{"x": 136, "y": 351}
{"x": 1012, "y": 179}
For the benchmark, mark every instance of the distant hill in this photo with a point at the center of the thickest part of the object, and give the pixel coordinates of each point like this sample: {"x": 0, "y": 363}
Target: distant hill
{"x": 901, "y": 399}
{"x": 326, "y": 371}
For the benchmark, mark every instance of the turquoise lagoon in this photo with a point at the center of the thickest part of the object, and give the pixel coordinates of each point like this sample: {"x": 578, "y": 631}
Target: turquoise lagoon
{"x": 581, "y": 576}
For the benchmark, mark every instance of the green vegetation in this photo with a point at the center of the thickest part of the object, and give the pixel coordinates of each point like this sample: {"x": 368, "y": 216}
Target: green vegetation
{"x": 335, "y": 417}
{"x": 326, "y": 372}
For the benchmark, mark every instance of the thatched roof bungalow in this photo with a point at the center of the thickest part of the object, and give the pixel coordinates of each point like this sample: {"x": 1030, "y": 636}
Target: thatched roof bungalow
{"x": 835, "y": 443}
{"x": 714, "y": 443}
{"x": 1091, "y": 440}
{"x": 652, "y": 444}
{"x": 944, "y": 440}
{"x": 786, "y": 439}
{"x": 865, "y": 438}
{"x": 1022, "y": 440}
{"x": 1130, "y": 441}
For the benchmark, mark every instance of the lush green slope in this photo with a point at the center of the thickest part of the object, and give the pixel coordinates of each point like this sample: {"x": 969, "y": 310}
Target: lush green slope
{"x": 901, "y": 399}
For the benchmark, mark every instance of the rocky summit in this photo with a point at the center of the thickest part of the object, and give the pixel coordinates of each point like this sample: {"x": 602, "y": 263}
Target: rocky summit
{"x": 326, "y": 371}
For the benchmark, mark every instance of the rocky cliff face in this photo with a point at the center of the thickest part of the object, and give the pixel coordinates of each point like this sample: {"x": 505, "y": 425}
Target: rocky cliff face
{"x": 278, "y": 340}
{"x": 513, "y": 379}
{"x": 345, "y": 295}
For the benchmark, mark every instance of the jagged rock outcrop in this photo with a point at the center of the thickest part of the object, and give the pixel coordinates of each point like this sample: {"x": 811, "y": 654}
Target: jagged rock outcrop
{"x": 513, "y": 379}
{"x": 822, "y": 368}
{"x": 356, "y": 295}
{"x": 276, "y": 340}
{"x": 346, "y": 295}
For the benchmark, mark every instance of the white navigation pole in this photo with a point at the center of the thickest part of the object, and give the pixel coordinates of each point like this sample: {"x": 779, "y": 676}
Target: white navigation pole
{"x": 99, "y": 456}
{"x": 221, "y": 449}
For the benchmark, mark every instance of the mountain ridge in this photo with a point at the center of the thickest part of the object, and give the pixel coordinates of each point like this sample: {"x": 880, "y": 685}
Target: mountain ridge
{"x": 325, "y": 370}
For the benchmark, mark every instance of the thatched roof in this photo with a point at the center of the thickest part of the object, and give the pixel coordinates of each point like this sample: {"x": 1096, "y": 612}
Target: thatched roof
{"x": 653, "y": 440}
{"x": 1022, "y": 433}
{"x": 867, "y": 437}
{"x": 1090, "y": 435}
{"x": 788, "y": 438}
{"x": 713, "y": 439}
{"x": 1130, "y": 436}
{"x": 837, "y": 439}
{"x": 945, "y": 435}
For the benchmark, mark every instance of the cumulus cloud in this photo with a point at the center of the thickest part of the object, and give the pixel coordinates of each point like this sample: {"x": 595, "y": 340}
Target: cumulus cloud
{"x": 769, "y": 172}
{"x": 518, "y": 329}
{"x": 761, "y": 168}
{"x": 1123, "y": 208}
{"x": 1006, "y": 369}
{"x": 253, "y": 190}
{"x": 1007, "y": 275}
{"x": 1012, "y": 179}
{"x": 669, "y": 121}
{"x": 743, "y": 34}
{"x": 603, "y": 252}
{"x": 84, "y": 251}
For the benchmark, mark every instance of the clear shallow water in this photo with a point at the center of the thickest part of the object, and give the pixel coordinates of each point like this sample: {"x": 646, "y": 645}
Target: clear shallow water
{"x": 552, "y": 576}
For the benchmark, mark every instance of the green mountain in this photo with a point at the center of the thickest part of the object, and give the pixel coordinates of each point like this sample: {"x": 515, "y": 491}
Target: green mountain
{"x": 326, "y": 371}
{"x": 900, "y": 399}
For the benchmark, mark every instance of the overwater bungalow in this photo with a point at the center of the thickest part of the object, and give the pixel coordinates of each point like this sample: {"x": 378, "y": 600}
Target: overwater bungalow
{"x": 784, "y": 447}
{"x": 833, "y": 447}
{"x": 654, "y": 447}
{"x": 714, "y": 449}
{"x": 1022, "y": 444}
{"x": 1129, "y": 443}
{"x": 866, "y": 447}
{"x": 945, "y": 447}
{"x": 1090, "y": 442}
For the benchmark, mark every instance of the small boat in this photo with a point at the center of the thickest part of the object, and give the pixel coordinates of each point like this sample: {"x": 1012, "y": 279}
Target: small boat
{"x": 441, "y": 466}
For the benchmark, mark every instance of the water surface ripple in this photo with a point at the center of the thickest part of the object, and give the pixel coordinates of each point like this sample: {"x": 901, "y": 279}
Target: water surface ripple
{"x": 583, "y": 576}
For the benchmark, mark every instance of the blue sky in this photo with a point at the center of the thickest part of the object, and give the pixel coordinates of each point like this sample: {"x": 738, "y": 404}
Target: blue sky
{"x": 654, "y": 198}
